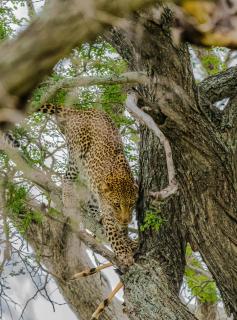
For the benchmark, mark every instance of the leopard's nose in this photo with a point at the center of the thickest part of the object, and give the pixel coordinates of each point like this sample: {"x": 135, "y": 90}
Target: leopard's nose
{"x": 125, "y": 215}
{"x": 125, "y": 221}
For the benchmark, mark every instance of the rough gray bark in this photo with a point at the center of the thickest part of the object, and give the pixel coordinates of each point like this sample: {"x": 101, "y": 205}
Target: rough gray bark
{"x": 204, "y": 212}
{"x": 149, "y": 295}
{"x": 220, "y": 86}
{"x": 152, "y": 285}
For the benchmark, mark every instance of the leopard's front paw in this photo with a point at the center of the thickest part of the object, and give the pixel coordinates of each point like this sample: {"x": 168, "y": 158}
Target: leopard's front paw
{"x": 126, "y": 258}
{"x": 133, "y": 244}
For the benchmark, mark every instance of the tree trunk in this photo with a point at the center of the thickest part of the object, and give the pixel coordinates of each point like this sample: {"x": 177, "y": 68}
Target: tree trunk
{"x": 152, "y": 285}
{"x": 204, "y": 152}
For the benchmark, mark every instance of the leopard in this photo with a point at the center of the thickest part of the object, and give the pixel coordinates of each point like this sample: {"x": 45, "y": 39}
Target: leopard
{"x": 95, "y": 149}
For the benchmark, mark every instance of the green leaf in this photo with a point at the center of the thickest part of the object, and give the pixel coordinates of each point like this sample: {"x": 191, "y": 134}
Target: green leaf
{"x": 152, "y": 220}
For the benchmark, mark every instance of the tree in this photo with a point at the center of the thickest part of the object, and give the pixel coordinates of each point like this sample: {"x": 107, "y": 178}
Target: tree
{"x": 202, "y": 140}
{"x": 198, "y": 135}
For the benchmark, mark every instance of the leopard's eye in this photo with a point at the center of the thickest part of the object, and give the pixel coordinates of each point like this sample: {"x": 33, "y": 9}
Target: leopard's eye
{"x": 117, "y": 205}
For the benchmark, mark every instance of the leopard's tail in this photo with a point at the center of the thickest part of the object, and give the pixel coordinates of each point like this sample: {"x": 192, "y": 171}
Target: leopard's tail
{"x": 45, "y": 108}
{"x": 50, "y": 108}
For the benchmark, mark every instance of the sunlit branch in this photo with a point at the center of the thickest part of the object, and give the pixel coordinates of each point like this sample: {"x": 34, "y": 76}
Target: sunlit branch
{"x": 106, "y": 302}
{"x": 141, "y": 116}
{"x": 86, "y": 81}
{"x": 90, "y": 271}
{"x": 204, "y": 22}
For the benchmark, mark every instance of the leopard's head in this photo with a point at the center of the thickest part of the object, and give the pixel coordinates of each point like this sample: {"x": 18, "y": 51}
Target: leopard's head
{"x": 119, "y": 194}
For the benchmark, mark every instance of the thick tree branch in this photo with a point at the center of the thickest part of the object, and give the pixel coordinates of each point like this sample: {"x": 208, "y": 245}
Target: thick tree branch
{"x": 207, "y": 311}
{"x": 220, "y": 86}
{"x": 89, "y": 241}
{"x": 85, "y": 81}
{"x": 149, "y": 122}
{"x": 146, "y": 282}
{"x": 51, "y": 37}
{"x": 62, "y": 249}
{"x": 62, "y": 26}
{"x": 204, "y": 162}
{"x": 124, "y": 78}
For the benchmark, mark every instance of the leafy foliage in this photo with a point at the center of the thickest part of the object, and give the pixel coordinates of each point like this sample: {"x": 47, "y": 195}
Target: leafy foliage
{"x": 152, "y": 220}
{"x": 199, "y": 284}
{"x": 212, "y": 62}
{"x": 16, "y": 205}
{"x": 8, "y": 19}
{"x": 5, "y": 23}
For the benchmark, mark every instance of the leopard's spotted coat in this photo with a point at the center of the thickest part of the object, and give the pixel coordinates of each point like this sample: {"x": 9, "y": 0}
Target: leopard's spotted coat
{"x": 95, "y": 147}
